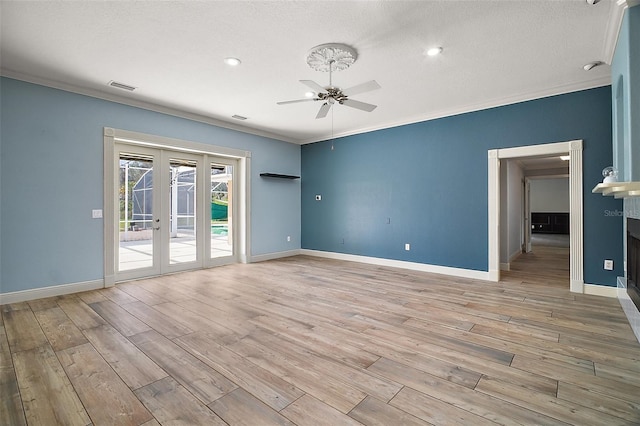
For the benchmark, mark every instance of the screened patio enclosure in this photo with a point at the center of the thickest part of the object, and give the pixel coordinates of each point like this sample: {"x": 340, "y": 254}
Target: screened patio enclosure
{"x": 138, "y": 220}
{"x": 137, "y": 185}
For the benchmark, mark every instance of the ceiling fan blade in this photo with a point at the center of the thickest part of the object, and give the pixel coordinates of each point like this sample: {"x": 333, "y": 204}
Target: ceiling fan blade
{"x": 324, "y": 109}
{"x": 361, "y": 88}
{"x": 313, "y": 85}
{"x": 359, "y": 105}
{"x": 296, "y": 101}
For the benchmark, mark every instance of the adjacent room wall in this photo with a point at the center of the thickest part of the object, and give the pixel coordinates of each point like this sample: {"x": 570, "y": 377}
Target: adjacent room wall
{"x": 511, "y": 211}
{"x": 515, "y": 207}
{"x": 426, "y": 184}
{"x": 550, "y": 195}
{"x": 52, "y": 177}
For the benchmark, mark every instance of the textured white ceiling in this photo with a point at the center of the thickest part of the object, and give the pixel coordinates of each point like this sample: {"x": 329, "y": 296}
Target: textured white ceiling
{"x": 495, "y": 52}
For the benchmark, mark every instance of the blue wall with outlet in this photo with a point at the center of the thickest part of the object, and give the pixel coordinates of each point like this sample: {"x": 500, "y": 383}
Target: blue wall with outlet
{"x": 51, "y": 177}
{"x": 426, "y": 184}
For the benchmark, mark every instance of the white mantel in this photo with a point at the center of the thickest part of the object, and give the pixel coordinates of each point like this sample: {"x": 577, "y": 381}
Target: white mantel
{"x": 618, "y": 189}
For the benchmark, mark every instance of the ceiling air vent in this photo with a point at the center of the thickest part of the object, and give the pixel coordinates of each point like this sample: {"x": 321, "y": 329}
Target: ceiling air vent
{"x": 238, "y": 117}
{"x": 121, "y": 86}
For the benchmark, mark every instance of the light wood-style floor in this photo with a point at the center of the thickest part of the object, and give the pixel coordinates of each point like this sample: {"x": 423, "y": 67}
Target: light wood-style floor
{"x": 310, "y": 341}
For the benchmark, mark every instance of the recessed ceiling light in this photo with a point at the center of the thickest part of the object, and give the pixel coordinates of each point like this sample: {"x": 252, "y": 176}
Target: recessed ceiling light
{"x": 233, "y": 62}
{"x": 434, "y": 51}
{"x": 309, "y": 94}
{"x": 592, "y": 65}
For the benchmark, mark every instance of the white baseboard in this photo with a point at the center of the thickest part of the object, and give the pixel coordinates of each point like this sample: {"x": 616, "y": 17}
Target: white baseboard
{"x": 576, "y": 286}
{"x": 277, "y": 255}
{"x": 600, "y": 290}
{"x": 422, "y": 267}
{"x": 56, "y": 290}
{"x": 507, "y": 266}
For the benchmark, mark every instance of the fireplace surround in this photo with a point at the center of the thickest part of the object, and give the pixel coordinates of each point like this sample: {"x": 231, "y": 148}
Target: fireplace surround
{"x": 633, "y": 260}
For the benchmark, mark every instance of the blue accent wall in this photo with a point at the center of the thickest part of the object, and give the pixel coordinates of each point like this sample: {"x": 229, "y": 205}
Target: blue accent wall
{"x": 51, "y": 177}
{"x": 626, "y": 97}
{"x": 429, "y": 181}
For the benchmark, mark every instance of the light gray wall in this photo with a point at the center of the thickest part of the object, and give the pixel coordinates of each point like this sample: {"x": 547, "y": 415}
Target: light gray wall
{"x": 511, "y": 217}
{"x": 550, "y": 195}
{"x": 515, "y": 209}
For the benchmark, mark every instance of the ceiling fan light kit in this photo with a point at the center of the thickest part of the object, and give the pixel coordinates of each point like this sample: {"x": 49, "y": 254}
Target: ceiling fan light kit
{"x": 334, "y": 57}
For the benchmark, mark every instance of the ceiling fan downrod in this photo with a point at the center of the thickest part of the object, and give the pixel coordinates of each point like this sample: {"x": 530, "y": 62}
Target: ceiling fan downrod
{"x": 331, "y": 62}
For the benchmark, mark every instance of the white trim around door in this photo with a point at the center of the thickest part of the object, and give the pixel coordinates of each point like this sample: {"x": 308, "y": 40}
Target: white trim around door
{"x": 114, "y": 139}
{"x": 574, "y": 148}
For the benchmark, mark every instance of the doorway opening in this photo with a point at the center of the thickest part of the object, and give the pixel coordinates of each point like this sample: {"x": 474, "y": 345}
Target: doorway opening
{"x": 500, "y": 158}
{"x": 538, "y": 239}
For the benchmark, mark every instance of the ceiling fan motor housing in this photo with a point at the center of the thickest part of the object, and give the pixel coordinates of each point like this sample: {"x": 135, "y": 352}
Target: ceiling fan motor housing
{"x": 333, "y": 93}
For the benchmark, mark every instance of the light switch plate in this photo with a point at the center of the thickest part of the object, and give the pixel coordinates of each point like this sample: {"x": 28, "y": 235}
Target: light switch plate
{"x": 96, "y": 214}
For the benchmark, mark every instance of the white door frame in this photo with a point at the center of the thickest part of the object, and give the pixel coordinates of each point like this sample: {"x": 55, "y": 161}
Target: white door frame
{"x": 574, "y": 148}
{"x": 243, "y": 190}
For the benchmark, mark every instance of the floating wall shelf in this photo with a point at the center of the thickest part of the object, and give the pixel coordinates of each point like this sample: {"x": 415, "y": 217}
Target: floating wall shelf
{"x": 279, "y": 176}
{"x": 618, "y": 189}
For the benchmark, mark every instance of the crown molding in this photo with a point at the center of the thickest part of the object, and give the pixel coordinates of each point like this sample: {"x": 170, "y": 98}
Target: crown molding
{"x": 523, "y": 97}
{"x": 141, "y": 104}
{"x": 616, "y": 13}
{"x": 494, "y": 103}
{"x": 628, "y": 3}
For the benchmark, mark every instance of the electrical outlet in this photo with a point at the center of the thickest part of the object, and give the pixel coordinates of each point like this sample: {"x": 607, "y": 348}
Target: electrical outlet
{"x": 608, "y": 265}
{"x": 96, "y": 214}
{"x": 288, "y": 237}
{"x": 407, "y": 247}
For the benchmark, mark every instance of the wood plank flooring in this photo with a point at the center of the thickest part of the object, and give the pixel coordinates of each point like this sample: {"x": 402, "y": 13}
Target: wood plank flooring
{"x": 308, "y": 341}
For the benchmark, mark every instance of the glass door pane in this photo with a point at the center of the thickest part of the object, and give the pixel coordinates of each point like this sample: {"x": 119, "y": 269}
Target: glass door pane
{"x": 221, "y": 210}
{"x": 182, "y": 211}
{"x": 135, "y": 225}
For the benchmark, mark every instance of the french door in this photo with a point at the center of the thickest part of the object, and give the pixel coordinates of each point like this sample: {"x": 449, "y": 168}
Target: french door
{"x": 174, "y": 211}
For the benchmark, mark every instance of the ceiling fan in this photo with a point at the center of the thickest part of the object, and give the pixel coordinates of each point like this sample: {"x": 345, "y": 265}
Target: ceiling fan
{"x": 334, "y": 57}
